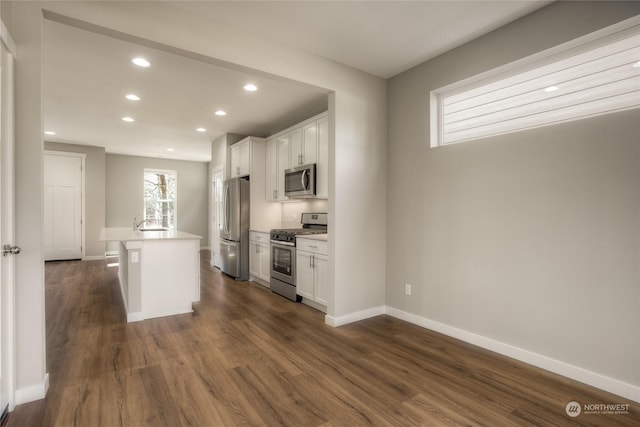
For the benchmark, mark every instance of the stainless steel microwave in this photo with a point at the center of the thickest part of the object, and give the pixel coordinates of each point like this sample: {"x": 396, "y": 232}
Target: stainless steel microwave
{"x": 300, "y": 182}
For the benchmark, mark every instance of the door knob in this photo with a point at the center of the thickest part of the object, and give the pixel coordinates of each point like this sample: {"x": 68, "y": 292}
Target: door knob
{"x": 10, "y": 250}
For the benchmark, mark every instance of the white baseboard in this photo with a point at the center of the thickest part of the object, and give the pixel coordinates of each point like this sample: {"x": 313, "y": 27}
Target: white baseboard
{"x": 205, "y": 248}
{"x": 354, "y": 317}
{"x": 135, "y": 317}
{"x": 32, "y": 392}
{"x": 94, "y": 258}
{"x": 594, "y": 379}
{"x": 612, "y": 385}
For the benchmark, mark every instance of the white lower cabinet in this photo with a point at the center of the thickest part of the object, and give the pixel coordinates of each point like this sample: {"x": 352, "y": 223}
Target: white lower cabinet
{"x": 260, "y": 257}
{"x": 311, "y": 272}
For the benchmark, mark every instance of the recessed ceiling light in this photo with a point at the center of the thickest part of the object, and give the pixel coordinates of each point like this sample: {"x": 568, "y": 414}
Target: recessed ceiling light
{"x": 128, "y": 119}
{"x": 250, "y": 87}
{"x": 141, "y": 62}
{"x": 636, "y": 64}
{"x": 201, "y": 130}
{"x": 551, "y": 88}
{"x": 221, "y": 113}
{"x": 132, "y": 97}
{"x": 171, "y": 149}
{"x": 49, "y": 132}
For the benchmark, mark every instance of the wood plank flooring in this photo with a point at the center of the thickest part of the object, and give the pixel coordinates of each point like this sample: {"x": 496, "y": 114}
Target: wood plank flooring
{"x": 250, "y": 357}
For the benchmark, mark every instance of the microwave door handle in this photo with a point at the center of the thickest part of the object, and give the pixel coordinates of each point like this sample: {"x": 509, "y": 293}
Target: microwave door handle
{"x": 304, "y": 186}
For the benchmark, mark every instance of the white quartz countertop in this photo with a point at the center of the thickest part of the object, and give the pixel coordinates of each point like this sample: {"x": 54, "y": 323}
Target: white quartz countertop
{"x": 256, "y": 230}
{"x": 126, "y": 234}
{"x": 322, "y": 237}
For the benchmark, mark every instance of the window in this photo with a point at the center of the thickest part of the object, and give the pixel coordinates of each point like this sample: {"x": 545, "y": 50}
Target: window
{"x": 160, "y": 192}
{"x": 596, "y": 74}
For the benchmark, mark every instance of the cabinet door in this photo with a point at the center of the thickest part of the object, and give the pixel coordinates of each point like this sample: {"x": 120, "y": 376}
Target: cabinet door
{"x": 254, "y": 259}
{"x": 265, "y": 261}
{"x": 321, "y": 267}
{"x": 245, "y": 159}
{"x": 304, "y": 275}
{"x": 240, "y": 159}
{"x": 322, "y": 163}
{"x": 309, "y": 143}
{"x": 295, "y": 148}
{"x": 282, "y": 143}
{"x": 271, "y": 168}
{"x": 235, "y": 161}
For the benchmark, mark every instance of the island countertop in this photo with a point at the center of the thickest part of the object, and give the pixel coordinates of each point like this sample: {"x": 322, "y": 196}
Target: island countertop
{"x": 127, "y": 234}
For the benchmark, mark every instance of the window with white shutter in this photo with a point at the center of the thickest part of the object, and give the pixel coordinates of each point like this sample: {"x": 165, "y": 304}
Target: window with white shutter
{"x": 596, "y": 74}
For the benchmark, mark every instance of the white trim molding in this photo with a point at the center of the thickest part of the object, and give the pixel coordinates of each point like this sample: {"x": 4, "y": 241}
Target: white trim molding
{"x": 137, "y": 316}
{"x": 354, "y": 317}
{"x": 33, "y": 392}
{"x": 93, "y": 258}
{"x": 612, "y": 385}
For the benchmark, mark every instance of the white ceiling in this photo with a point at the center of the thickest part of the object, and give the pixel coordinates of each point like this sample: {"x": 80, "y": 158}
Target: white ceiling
{"x": 383, "y": 38}
{"x": 87, "y": 75}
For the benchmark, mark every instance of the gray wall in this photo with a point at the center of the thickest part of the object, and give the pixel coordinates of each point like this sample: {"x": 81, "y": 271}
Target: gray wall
{"x": 125, "y": 198}
{"x": 532, "y": 238}
{"x": 94, "y": 193}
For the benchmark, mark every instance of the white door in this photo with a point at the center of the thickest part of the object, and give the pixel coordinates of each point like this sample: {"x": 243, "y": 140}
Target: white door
{"x": 216, "y": 217}
{"x": 6, "y": 230}
{"x": 62, "y": 206}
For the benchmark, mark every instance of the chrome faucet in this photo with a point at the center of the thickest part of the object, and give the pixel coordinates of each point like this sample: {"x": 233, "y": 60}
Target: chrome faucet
{"x": 137, "y": 224}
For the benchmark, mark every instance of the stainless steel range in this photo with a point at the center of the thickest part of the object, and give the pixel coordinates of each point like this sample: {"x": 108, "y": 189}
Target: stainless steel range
{"x": 283, "y": 253}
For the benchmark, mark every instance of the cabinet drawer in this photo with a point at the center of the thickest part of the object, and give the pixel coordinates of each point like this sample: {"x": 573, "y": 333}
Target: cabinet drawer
{"x": 257, "y": 236}
{"x": 314, "y": 246}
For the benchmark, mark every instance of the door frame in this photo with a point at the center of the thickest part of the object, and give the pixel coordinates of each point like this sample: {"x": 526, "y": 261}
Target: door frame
{"x": 213, "y": 235}
{"x": 7, "y": 274}
{"x": 83, "y": 157}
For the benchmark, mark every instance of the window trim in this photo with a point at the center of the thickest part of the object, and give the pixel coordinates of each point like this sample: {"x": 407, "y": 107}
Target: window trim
{"x": 612, "y": 33}
{"x": 175, "y": 201}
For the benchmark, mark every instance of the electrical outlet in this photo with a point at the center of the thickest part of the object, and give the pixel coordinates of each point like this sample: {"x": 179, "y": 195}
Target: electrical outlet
{"x": 135, "y": 257}
{"x": 407, "y": 289}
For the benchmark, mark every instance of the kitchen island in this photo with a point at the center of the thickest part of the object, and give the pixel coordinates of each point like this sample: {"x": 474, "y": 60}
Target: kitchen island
{"x": 159, "y": 271}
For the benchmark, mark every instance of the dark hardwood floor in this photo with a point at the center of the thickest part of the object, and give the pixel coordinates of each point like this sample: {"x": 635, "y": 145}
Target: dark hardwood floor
{"x": 249, "y": 357}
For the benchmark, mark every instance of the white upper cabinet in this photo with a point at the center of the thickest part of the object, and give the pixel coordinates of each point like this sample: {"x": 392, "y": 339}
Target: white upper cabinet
{"x": 302, "y": 144}
{"x": 277, "y": 162}
{"x": 271, "y": 170}
{"x": 241, "y": 158}
{"x": 295, "y": 148}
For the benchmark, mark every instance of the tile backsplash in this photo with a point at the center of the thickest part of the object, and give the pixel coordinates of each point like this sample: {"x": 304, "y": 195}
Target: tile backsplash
{"x": 291, "y": 211}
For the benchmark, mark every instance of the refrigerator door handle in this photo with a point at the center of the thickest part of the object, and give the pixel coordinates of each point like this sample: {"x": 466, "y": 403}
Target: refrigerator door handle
{"x": 227, "y": 208}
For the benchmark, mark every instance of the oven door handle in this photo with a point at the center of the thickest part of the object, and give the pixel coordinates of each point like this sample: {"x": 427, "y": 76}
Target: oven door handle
{"x": 277, "y": 242}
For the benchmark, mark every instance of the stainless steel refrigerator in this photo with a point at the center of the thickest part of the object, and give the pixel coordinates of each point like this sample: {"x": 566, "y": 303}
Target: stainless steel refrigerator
{"x": 234, "y": 235}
